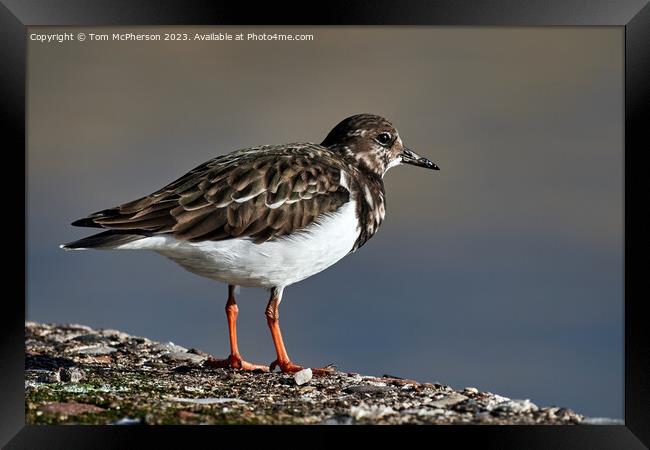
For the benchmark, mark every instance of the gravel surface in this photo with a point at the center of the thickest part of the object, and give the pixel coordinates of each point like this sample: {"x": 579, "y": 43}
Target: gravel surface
{"x": 78, "y": 375}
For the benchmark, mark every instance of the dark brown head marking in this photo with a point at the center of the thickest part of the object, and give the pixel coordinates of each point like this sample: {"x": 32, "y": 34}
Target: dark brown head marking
{"x": 371, "y": 141}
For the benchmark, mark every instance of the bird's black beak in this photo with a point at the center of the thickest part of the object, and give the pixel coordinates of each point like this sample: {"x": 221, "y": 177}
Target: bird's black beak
{"x": 412, "y": 158}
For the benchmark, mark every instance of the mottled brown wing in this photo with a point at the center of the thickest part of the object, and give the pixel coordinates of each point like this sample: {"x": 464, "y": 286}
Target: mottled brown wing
{"x": 260, "y": 195}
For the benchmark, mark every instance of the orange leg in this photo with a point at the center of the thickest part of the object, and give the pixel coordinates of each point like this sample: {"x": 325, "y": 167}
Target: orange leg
{"x": 234, "y": 360}
{"x": 283, "y": 361}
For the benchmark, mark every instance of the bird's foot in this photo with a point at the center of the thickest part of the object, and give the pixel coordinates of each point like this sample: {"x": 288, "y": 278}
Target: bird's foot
{"x": 235, "y": 362}
{"x": 289, "y": 367}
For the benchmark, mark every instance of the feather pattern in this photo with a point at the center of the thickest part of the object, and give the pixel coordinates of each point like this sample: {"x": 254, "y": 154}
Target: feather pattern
{"x": 261, "y": 193}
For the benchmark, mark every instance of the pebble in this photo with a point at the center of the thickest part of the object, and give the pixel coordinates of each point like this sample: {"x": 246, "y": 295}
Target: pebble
{"x": 364, "y": 411}
{"x": 102, "y": 359}
{"x": 471, "y": 390}
{"x": 115, "y": 334}
{"x": 515, "y": 407}
{"x": 89, "y": 339}
{"x": 71, "y": 375}
{"x": 169, "y": 347}
{"x": 303, "y": 376}
{"x": 449, "y": 400}
{"x": 184, "y": 357}
{"x": 96, "y": 350}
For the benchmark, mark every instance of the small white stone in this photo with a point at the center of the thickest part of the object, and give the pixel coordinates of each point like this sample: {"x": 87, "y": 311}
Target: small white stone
{"x": 471, "y": 390}
{"x": 303, "y": 376}
{"x": 93, "y": 350}
{"x": 364, "y": 411}
{"x": 449, "y": 400}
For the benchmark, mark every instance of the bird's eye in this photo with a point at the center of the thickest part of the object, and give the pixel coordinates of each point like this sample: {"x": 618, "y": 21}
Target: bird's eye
{"x": 383, "y": 138}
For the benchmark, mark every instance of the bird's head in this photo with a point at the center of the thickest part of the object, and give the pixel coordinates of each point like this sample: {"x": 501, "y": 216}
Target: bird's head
{"x": 373, "y": 143}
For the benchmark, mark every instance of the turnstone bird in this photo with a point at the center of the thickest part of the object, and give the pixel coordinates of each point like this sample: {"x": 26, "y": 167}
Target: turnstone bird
{"x": 266, "y": 216}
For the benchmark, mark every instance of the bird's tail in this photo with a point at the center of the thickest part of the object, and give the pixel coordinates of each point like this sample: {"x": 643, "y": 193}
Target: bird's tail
{"x": 107, "y": 240}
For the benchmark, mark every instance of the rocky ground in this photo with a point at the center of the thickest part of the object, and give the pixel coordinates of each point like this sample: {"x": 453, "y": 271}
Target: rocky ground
{"x": 77, "y": 375}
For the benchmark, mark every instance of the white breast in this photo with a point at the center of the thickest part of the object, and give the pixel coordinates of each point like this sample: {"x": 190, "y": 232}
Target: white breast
{"x": 276, "y": 263}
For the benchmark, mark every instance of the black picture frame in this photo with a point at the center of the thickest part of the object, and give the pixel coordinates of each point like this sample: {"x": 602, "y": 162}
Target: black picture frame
{"x": 16, "y": 15}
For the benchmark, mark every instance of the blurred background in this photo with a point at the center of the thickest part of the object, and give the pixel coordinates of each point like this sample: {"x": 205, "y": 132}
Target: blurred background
{"x": 503, "y": 271}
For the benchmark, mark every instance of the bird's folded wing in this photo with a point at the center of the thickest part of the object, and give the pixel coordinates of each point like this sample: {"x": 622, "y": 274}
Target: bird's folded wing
{"x": 246, "y": 194}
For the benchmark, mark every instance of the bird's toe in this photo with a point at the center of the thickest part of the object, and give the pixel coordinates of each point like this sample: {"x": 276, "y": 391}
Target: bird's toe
{"x": 235, "y": 362}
